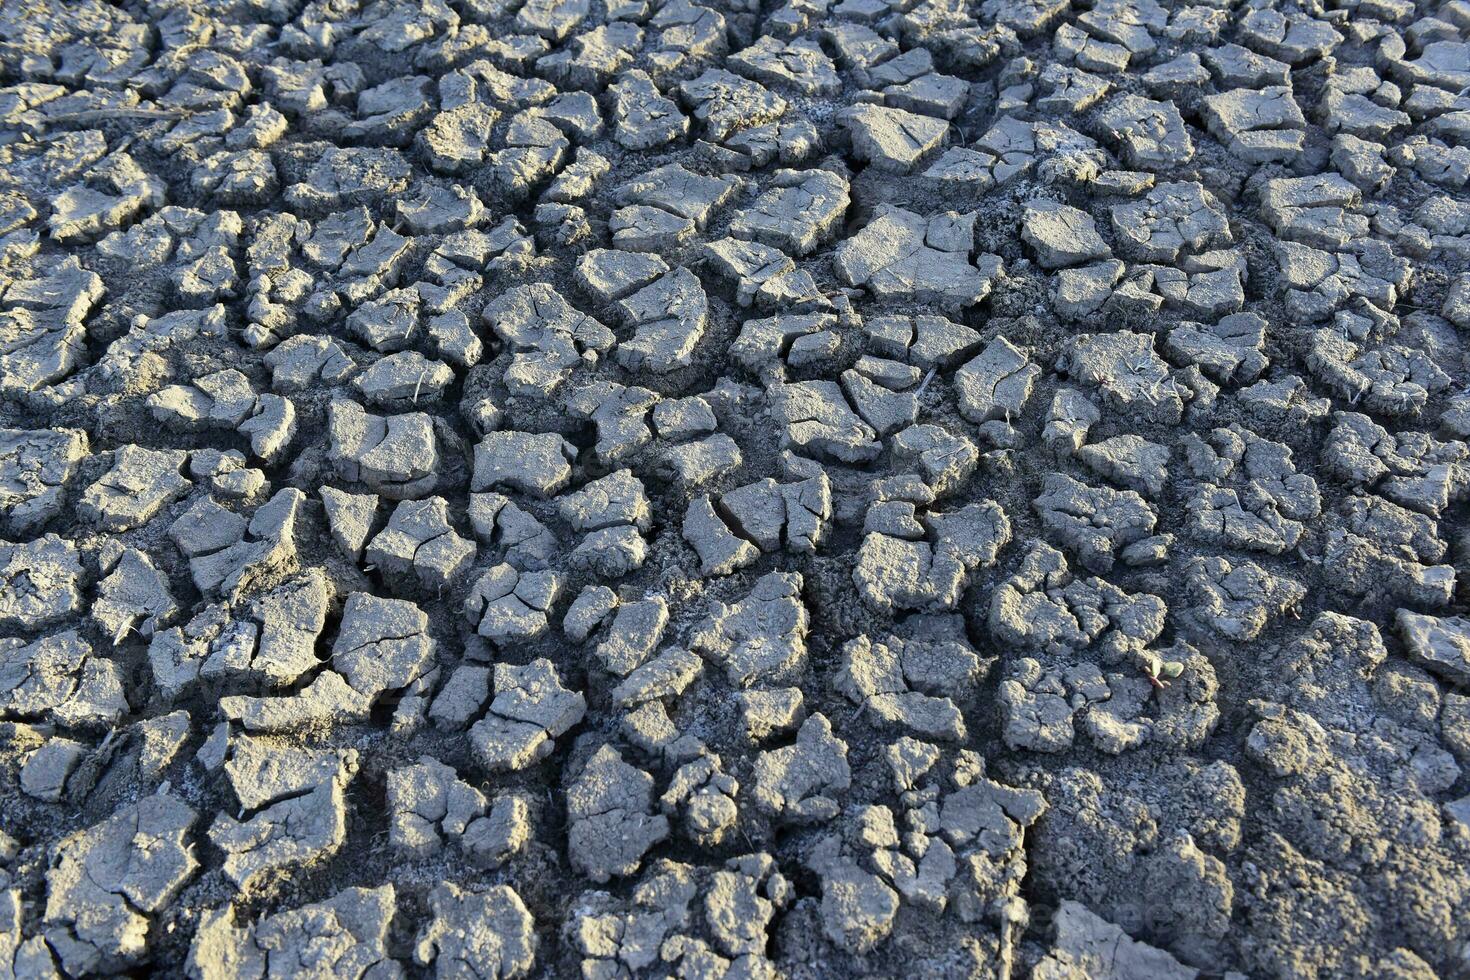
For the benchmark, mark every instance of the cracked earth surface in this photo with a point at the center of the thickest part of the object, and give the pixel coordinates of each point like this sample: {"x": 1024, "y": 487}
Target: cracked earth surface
{"x": 751, "y": 489}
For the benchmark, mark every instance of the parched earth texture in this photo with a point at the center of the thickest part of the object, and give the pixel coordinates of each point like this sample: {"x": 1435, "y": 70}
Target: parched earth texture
{"x": 757, "y": 488}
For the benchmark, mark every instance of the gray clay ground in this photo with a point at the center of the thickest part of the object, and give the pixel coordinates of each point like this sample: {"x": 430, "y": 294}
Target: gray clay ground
{"x": 735, "y": 488}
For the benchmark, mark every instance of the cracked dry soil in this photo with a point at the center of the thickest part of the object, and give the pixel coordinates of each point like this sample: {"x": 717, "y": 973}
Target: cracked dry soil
{"x": 734, "y": 488}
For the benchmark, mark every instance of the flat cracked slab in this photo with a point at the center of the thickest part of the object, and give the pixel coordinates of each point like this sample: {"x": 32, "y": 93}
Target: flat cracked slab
{"x": 665, "y": 488}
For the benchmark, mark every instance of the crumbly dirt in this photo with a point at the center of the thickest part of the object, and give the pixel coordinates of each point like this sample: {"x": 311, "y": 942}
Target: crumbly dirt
{"x": 766, "y": 489}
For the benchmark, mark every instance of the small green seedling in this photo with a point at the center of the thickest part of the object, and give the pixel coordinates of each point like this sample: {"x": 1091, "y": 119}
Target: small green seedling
{"x": 1161, "y": 672}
